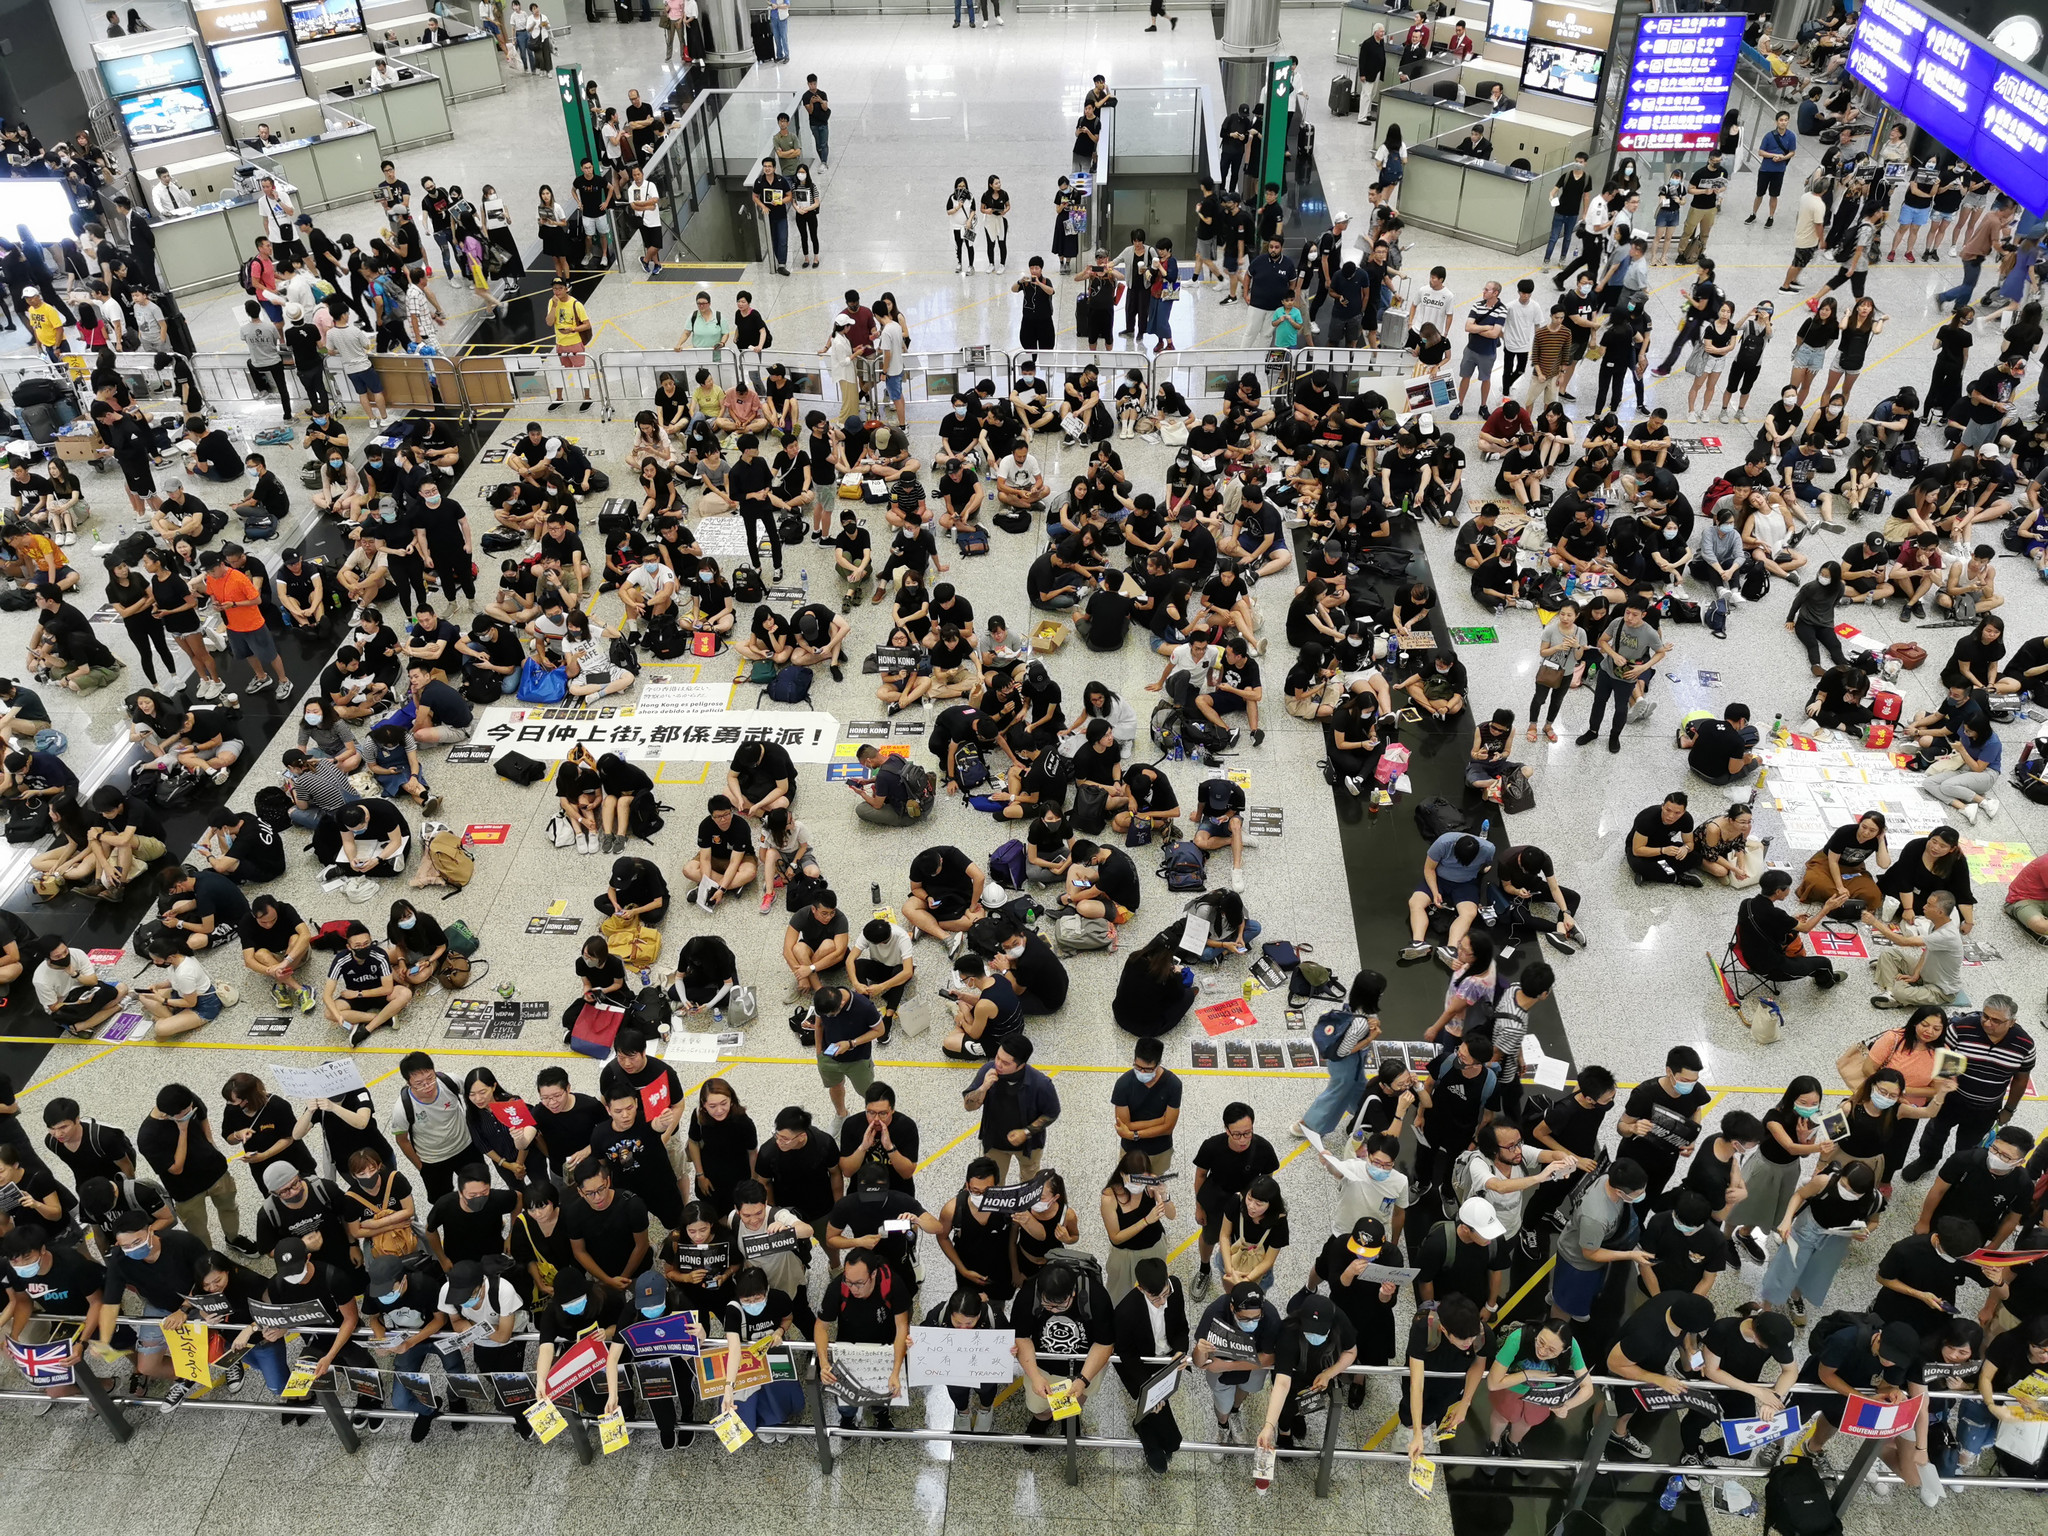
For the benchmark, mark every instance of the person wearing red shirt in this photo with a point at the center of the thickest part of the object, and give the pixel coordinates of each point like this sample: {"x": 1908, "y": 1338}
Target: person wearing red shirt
{"x": 1461, "y": 43}
{"x": 2026, "y": 899}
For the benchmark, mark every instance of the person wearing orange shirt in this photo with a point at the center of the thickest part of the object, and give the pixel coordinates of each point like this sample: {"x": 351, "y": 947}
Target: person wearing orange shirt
{"x": 235, "y": 594}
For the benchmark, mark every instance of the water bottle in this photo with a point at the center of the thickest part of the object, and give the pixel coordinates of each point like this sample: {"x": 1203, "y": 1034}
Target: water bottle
{"x": 1571, "y": 583}
{"x": 1673, "y": 1486}
{"x": 718, "y": 1017}
{"x": 1777, "y": 727}
{"x": 875, "y": 892}
{"x": 804, "y": 576}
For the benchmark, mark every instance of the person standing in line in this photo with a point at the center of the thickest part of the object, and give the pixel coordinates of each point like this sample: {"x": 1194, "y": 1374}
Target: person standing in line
{"x": 1035, "y": 327}
{"x": 804, "y": 202}
{"x": 772, "y": 192}
{"x": 818, "y": 109}
{"x": 960, "y": 214}
{"x": 995, "y": 223}
{"x": 778, "y": 26}
{"x": 838, "y": 355}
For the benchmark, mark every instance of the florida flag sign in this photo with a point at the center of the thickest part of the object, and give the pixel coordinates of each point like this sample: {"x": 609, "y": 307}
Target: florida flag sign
{"x": 1868, "y": 1419}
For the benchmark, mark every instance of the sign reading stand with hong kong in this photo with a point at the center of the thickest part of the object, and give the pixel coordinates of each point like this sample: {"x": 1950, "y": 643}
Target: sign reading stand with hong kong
{"x": 1678, "y": 81}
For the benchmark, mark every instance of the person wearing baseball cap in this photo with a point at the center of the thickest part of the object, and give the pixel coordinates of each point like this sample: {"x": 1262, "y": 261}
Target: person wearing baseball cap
{"x": 1366, "y": 1302}
{"x": 1235, "y": 1343}
{"x": 1880, "y": 1362}
{"x": 1467, "y": 1257}
{"x": 1675, "y": 1323}
{"x": 1316, "y": 1346}
{"x": 398, "y": 1303}
{"x": 305, "y": 1283}
{"x": 1751, "y": 1358}
{"x": 45, "y": 323}
{"x": 579, "y": 1308}
{"x": 652, "y": 1301}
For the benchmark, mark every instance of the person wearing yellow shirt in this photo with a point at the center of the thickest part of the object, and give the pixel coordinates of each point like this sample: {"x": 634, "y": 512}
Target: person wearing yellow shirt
{"x": 570, "y": 322}
{"x": 34, "y": 556}
{"x": 45, "y": 323}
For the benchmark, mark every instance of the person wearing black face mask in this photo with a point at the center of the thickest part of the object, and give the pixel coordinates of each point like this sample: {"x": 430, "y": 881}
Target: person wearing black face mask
{"x": 856, "y": 1223}
{"x": 469, "y": 1221}
{"x": 307, "y": 1207}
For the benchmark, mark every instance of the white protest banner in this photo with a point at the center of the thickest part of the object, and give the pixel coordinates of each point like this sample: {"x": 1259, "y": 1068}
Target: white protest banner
{"x": 960, "y": 1357}
{"x": 666, "y": 721}
{"x": 324, "y": 1080}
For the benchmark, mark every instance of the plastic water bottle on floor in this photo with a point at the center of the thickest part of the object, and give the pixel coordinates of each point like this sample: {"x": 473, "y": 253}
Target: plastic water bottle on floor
{"x": 804, "y": 577}
{"x": 1673, "y": 1486}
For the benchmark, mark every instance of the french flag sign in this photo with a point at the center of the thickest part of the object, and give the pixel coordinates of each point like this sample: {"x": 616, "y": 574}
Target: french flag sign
{"x": 1868, "y": 1419}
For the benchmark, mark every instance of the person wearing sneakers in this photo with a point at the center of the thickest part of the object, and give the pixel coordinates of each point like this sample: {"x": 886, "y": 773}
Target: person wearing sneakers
{"x": 1667, "y": 1325}
{"x": 361, "y": 993}
{"x": 1234, "y": 1346}
{"x": 1883, "y": 1364}
{"x": 241, "y": 604}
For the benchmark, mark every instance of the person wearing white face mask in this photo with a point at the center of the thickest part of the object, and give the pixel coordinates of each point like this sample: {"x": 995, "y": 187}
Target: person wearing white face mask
{"x": 1369, "y": 1185}
{"x": 162, "y": 1268}
{"x": 398, "y": 1304}
{"x": 1919, "y": 1276}
{"x": 1986, "y": 1186}
{"x": 755, "y": 1319}
{"x": 1661, "y": 1118}
{"x": 470, "y": 1299}
{"x": 580, "y": 1309}
{"x": 58, "y": 1280}
{"x": 1146, "y": 1104}
{"x": 1601, "y": 1229}
{"x": 1773, "y": 1175}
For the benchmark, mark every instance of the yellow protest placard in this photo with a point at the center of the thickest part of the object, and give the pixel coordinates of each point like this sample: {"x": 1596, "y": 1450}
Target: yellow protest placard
{"x": 1063, "y": 1402}
{"x": 186, "y": 1345}
{"x": 300, "y": 1382}
{"x": 557, "y": 908}
{"x": 546, "y": 1419}
{"x": 731, "y": 1430}
{"x": 611, "y": 1432}
{"x": 1422, "y": 1475}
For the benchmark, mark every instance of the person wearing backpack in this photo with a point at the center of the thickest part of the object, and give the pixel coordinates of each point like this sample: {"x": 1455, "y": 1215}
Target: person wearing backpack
{"x": 1342, "y": 1037}
{"x": 435, "y": 1116}
{"x": 1861, "y": 1353}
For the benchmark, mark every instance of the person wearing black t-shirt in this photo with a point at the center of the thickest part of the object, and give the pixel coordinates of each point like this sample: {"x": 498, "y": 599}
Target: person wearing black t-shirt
{"x": 584, "y": 1308}
{"x": 469, "y": 1221}
{"x": 566, "y": 1118}
{"x": 607, "y": 1231}
{"x": 869, "y": 1303}
{"x": 799, "y": 1167}
{"x": 1225, "y": 1166}
{"x": 749, "y": 484}
{"x": 1674, "y": 1324}
{"x": 632, "y": 1151}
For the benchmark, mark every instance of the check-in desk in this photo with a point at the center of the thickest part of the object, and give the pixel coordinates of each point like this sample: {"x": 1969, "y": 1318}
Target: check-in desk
{"x": 406, "y": 115}
{"x": 467, "y": 66}
{"x": 1503, "y": 202}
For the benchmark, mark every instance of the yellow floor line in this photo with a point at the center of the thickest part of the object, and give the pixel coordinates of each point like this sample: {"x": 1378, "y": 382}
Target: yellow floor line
{"x": 949, "y": 1146}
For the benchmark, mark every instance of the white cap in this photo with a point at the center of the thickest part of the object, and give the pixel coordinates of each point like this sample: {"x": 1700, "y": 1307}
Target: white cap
{"x": 31, "y": 293}
{"x": 1426, "y": 424}
{"x": 1340, "y": 218}
{"x": 1988, "y": 451}
{"x": 1478, "y": 1214}
{"x": 554, "y": 446}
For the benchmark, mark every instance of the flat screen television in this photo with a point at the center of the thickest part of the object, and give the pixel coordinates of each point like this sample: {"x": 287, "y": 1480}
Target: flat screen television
{"x": 253, "y": 61}
{"x": 1561, "y": 70}
{"x": 317, "y": 19}
{"x": 152, "y": 115}
{"x": 1507, "y": 21}
{"x": 151, "y": 71}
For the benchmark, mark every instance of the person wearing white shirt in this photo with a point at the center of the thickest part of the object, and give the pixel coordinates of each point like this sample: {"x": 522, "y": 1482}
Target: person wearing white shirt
{"x": 1369, "y": 1186}
{"x": 280, "y": 218}
{"x": 382, "y": 75}
{"x": 1503, "y": 1168}
{"x": 66, "y": 973}
{"x": 1518, "y": 334}
{"x": 167, "y": 197}
{"x": 889, "y": 344}
{"x": 181, "y": 997}
{"x": 299, "y": 290}
{"x": 522, "y": 39}
{"x": 838, "y": 355}
{"x": 1432, "y": 305}
{"x": 649, "y": 588}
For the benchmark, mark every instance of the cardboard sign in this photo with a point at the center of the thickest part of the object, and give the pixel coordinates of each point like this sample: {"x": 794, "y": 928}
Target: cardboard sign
{"x": 1554, "y": 1392}
{"x": 269, "y": 1026}
{"x": 860, "y": 1376}
{"x": 1063, "y": 1403}
{"x": 513, "y": 1389}
{"x": 1202, "y": 1055}
{"x": 555, "y": 925}
{"x": 656, "y": 1380}
{"x": 301, "y": 1380}
{"x": 755, "y": 1246}
{"x": 334, "y": 1079}
{"x": 579, "y": 1362}
{"x": 186, "y": 1344}
{"x": 960, "y": 1357}
{"x": 104, "y": 957}
{"x": 757, "y": 1369}
{"x": 1164, "y": 1383}
{"x": 1657, "y": 1400}
{"x": 1422, "y": 1475}
{"x": 43, "y": 1365}
{"x": 1837, "y": 944}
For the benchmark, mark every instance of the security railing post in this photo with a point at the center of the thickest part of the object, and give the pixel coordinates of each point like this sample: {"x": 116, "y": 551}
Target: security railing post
{"x": 1328, "y": 1460}
{"x": 1859, "y": 1469}
{"x": 1070, "y": 1460}
{"x": 1596, "y": 1443}
{"x": 821, "y": 1436}
{"x": 337, "y": 1417}
{"x": 102, "y": 1401}
{"x": 579, "y": 1435}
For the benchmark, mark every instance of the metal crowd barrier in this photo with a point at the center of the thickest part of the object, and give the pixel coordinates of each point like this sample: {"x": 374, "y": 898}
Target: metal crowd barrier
{"x": 822, "y": 1431}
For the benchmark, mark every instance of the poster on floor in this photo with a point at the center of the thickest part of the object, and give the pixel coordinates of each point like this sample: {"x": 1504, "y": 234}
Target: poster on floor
{"x": 666, "y": 721}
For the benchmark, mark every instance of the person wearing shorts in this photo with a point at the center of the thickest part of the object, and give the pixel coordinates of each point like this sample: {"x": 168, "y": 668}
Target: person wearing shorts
{"x": 1604, "y": 1222}
{"x": 569, "y": 319}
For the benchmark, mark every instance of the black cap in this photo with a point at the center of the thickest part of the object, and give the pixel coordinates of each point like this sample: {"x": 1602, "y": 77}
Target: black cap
{"x": 1775, "y": 1332}
{"x": 291, "y": 1256}
{"x": 290, "y": 557}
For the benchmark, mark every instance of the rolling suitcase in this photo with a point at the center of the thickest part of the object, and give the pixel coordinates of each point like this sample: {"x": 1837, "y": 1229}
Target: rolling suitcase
{"x": 1343, "y": 96}
{"x": 1393, "y": 331}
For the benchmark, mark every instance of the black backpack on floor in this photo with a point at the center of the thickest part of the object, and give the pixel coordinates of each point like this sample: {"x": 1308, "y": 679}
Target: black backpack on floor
{"x": 1796, "y": 1501}
{"x": 520, "y": 768}
{"x": 1435, "y": 817}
